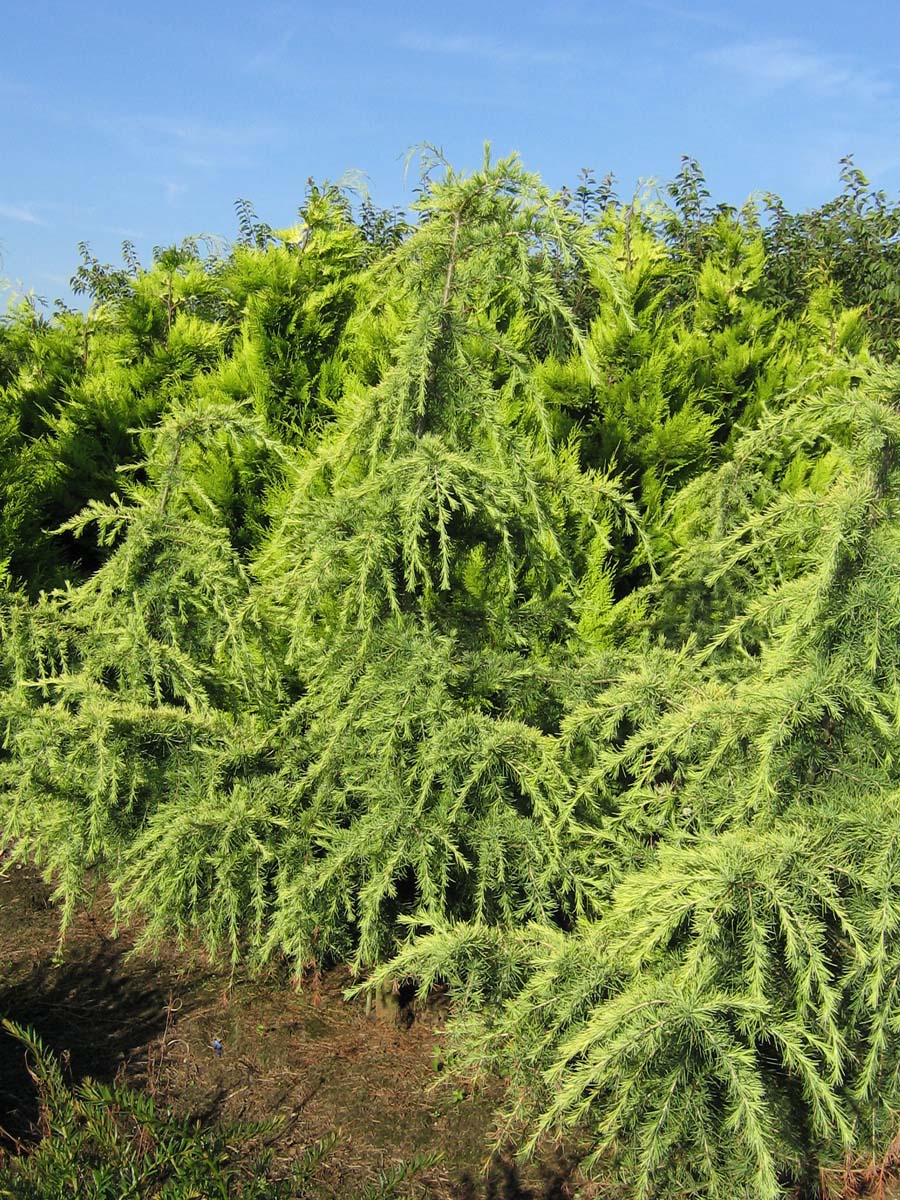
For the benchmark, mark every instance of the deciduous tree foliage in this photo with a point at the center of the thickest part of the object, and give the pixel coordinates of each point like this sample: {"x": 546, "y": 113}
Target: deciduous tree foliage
{"x": 508, "y": 599}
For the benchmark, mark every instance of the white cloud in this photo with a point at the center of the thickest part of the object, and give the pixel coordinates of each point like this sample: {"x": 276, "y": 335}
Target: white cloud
{"x": 773, "y": 65}
{"x": 711, "y": 18}
{"x": 18, "y": 212}
{"x": 190, "y": 141}
{"x": 466, "y": 45}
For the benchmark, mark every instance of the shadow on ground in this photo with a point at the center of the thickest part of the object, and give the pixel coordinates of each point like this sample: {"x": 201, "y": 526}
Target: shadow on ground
{"x": 88, "y": 1010}
{"x": 503, "y": 1181}
{"x": 216, "y": 1044}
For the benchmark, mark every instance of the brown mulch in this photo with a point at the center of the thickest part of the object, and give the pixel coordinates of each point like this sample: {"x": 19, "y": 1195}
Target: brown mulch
{"x": 317, "y": 1062}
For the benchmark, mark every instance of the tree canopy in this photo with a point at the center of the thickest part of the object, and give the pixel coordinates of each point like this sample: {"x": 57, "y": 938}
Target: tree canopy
{"x": 506, "y": 596}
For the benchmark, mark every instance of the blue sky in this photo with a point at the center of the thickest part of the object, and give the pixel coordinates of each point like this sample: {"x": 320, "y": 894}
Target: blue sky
{"x": 146, "y": 122}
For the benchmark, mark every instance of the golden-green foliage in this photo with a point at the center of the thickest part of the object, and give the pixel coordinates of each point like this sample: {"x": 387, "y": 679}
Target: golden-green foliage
{"x": 511, "y": 600}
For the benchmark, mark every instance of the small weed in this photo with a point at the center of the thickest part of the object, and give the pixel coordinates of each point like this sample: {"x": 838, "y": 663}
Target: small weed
{"x": 100, "y": 1142}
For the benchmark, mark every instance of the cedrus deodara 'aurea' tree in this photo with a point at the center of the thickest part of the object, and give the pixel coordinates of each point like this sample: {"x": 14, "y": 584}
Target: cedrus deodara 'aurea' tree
{"x": 146, "y": 680}
{"x": 421, "y": 571}
{"x": 728, "y": 1024}
{"x": 551, "y": 647}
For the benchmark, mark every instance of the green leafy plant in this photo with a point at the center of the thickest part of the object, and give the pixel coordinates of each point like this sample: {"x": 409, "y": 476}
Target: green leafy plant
{"x": 110, "y": 1142}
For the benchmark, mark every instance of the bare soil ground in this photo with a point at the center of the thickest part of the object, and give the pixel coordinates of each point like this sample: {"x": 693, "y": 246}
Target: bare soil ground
{"x": 308, "y": 1057}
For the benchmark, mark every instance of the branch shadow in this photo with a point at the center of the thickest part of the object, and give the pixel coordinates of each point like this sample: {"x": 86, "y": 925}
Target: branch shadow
{"x": 90, "y": 1012}
{"x": 503, "y": 1181}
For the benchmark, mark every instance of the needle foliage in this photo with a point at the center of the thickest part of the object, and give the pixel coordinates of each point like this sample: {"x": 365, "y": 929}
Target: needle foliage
{"x": 506, "y": 598}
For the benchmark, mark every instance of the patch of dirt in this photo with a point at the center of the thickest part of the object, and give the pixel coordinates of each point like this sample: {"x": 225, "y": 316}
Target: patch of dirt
{"x": 226, "y": 1046}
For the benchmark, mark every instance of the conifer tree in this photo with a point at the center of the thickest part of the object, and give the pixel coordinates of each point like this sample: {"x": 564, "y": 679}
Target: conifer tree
{"x": 727, "y": 1025}
{"x": 515, "y": 596}
{"x": 424, "y": 563}
{"x": 125, "y": 689}
{"x": 261, "y": 324}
